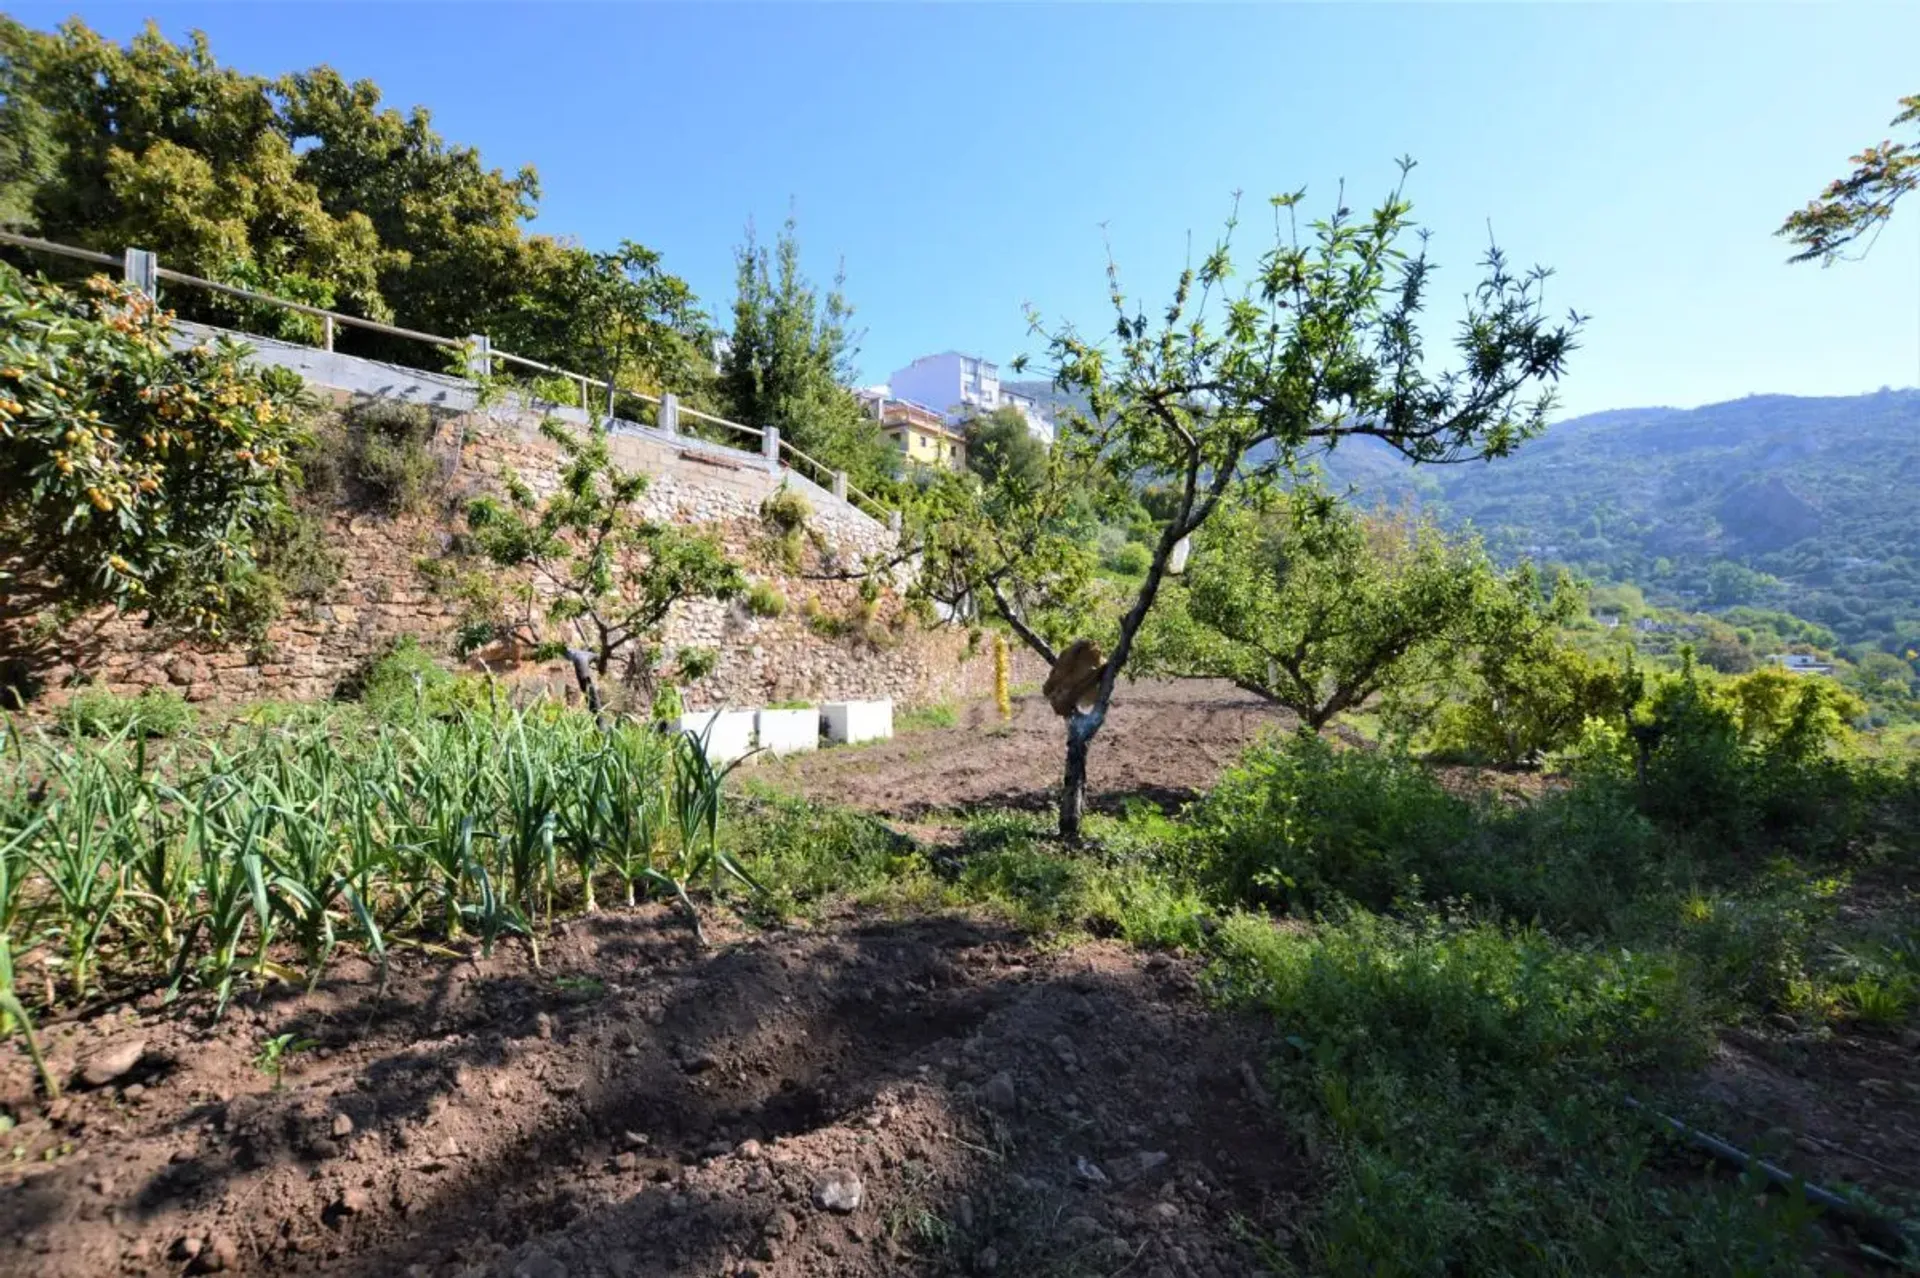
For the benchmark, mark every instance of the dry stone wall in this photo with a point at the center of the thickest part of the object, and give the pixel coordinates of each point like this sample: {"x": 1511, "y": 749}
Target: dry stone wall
{"x": 383, "y": 593}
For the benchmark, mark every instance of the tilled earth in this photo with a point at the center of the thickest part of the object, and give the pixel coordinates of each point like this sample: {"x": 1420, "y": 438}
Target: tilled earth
{"x": 1165, "y": 740}
{"x": 866, "y": 1097}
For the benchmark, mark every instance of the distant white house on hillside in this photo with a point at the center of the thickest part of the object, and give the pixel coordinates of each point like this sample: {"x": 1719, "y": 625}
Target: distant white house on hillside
{"x": 1801, "y": 663}
{"x": 961, "y": 385}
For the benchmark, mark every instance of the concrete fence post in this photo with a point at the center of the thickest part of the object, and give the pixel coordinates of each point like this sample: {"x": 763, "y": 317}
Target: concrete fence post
{"x": 141, "y": 268}
{"x": 840, "y": 484}
{"x": 770, "y": 446}
{"x": 893, "y": 522}
{"x": 669, "y": 416}
{"x": 479, "y": 356}
{"x": 326, "y": 331}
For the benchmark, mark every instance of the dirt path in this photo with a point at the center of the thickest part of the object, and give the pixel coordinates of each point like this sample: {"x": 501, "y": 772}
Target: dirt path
{"x": 642, "y": 1107}
{"x": 1164, "y": 741}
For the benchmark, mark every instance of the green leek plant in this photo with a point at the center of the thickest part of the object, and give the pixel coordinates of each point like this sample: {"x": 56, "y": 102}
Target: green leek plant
{"x": 697, "y": 783}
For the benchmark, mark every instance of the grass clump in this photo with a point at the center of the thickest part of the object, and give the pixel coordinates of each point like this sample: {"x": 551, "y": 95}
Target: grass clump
{"x": 803, "y": 854}
{"x": 765, "y": 601}
{"x": 153, "y": 712}
{"x": 921, "y": 718}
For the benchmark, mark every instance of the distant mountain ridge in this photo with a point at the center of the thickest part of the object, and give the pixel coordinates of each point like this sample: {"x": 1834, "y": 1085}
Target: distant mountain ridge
{"x": 1821, "y": 493}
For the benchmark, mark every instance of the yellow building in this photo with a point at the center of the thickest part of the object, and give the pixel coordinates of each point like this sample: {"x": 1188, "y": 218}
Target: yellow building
{"x": 921, "y": 434}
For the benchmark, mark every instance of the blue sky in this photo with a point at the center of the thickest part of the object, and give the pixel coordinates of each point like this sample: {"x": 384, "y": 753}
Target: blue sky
{"x": 962, "y": 159}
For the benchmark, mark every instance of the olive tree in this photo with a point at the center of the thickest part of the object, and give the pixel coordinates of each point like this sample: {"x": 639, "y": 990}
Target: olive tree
{"x": 1236, "y": 379}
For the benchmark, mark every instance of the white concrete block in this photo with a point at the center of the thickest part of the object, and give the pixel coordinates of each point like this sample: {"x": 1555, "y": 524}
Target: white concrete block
{"x": 851, "y": 722}
{"x": 788, "y": 731}
{"x": 728, "y": 733}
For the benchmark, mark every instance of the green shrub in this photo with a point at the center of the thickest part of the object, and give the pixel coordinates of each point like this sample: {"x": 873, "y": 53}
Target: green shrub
{"x": 694, "y": 664}
{"x": 1455, "y": 1079}
{"x": 1129, "y": 559}
{"x": 155, "y": 712}
{"x": 785, "y": 510}
{"x": 389, "y": 454}
{"x": 785, "y": 514}
{"x": 1301, "y": 823}
{"x": 299, "y": 557}
{"x": 765, "y": 601}
{"x": 406, "y": 682}
{"x": 667, "y": 704}
{"x": 1012, "y": 864}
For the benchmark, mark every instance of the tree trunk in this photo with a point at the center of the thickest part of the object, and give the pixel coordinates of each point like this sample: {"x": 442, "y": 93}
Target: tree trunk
{"x": 1073, "y": 786}
{"x": 583, "y": 675}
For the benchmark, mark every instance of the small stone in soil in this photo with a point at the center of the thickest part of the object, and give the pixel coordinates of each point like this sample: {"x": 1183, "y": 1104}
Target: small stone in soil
{"x": 839, "y": 1190}
{"x": 342, "y": 1126}
{"x": 539, "y": 1265}
{"x": 219, "y": 1254}
{"x": 112, "y": 1062}
{"x": 999, "y": 1092}
{"x": 352, "y": 1202}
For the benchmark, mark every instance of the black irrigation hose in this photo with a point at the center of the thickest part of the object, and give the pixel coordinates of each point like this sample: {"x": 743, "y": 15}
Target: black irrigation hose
{"x": 1884, "y": 1233}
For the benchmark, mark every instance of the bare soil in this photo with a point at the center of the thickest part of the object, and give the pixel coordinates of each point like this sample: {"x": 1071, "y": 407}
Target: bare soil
{"x": 1164, "y": 742}
{"x": 641, "y": 1106}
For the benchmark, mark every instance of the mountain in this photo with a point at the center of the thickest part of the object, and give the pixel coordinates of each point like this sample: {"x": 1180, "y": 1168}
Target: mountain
{"x": 1819, "y": 499}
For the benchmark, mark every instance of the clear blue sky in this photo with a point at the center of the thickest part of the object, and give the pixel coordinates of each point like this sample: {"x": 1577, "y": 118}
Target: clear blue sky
{"x": 961, "y": 159}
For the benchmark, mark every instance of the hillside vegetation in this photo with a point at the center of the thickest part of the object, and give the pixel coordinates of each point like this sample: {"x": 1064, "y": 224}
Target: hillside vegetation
{"x": 1804, "y": 505}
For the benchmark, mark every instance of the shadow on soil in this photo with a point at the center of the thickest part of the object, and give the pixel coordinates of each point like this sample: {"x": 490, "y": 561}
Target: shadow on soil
{"x": 643, "y": 1107}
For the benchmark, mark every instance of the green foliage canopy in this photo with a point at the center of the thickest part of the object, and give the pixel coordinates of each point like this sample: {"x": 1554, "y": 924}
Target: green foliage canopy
{"x": 1860, "y": 203}
{"x": 308, "y": 188}
{"x": 790, "y": 357}
{"x": 999, "y": 441}
{"x": 132, "y": 473}
{"x": 1299, "y": 599}
{"x": 1320, "y": 344}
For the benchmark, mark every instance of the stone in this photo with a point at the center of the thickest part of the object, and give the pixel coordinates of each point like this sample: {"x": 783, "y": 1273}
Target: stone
{"x": 840, "y": 1190}
{"x": 342, "y": 1126}
{"x": 218, "y": 1253}
{"x": 353, "y": 1201}
{"x": 113, "y": 1062}
{"x": 1135, "y": 1165}
{"x": 539, "y": 1265}
{"x": 543, "y": 1026}
{"x": 999, "y": 1093}
{"x": 1088, "y": 1170}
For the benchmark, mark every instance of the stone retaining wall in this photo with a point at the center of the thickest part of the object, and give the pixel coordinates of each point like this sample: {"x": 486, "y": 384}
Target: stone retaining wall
{"x": 382, "y": 593}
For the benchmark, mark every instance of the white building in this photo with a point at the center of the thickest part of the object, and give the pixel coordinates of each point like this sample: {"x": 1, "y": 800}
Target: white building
{"x": 961, "y": 385}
